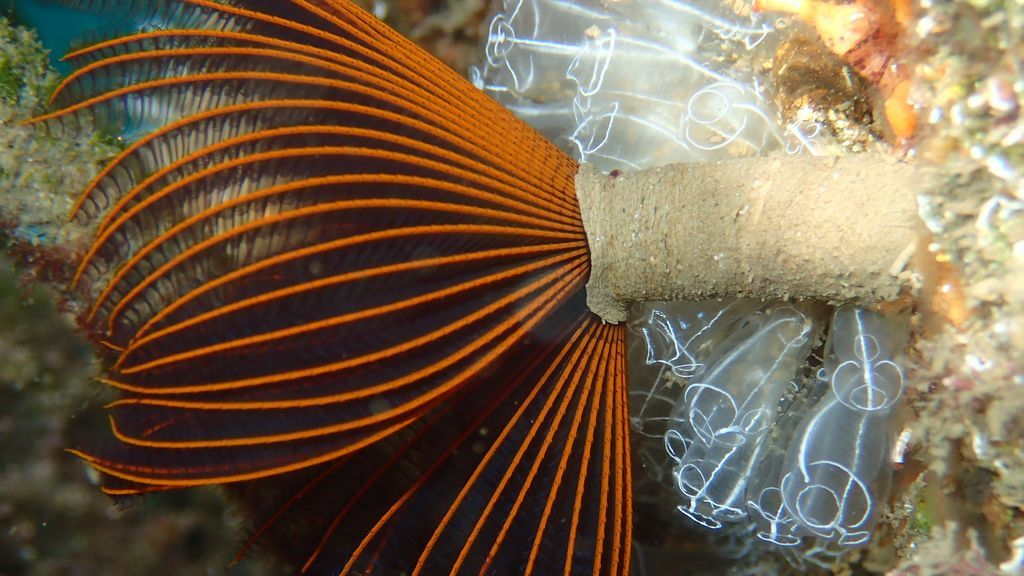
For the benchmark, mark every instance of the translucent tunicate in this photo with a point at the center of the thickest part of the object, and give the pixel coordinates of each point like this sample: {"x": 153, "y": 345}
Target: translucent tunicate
{"x": 765, "y": 503}
{"x": 633, "y": 85}
{"x": 836, "y": 471}
{"x": 670, "y": 343}
{"x": 682, "y": 335}
{"x": 722, "y": 417}
{"x": 753, "y": 443}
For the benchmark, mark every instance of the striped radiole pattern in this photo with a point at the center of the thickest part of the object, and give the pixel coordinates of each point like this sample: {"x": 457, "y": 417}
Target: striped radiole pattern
{"x": 328, "y": 272}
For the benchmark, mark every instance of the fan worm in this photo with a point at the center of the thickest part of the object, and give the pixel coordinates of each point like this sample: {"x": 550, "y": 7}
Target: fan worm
{"x": 326, "y": 261}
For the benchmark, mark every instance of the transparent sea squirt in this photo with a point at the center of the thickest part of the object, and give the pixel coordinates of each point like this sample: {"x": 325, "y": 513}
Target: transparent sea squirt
{"x": 837, "y": 466}
{"x": 727, "y": 414}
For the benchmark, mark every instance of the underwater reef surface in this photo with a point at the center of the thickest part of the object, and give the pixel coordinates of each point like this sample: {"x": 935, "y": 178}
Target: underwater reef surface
{"x": 959, "y": 489}
{"x": 54, "y": 517}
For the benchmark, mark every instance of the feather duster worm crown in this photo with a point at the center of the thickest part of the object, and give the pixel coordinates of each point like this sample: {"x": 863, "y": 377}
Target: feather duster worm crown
{"x": 330, "y": 273}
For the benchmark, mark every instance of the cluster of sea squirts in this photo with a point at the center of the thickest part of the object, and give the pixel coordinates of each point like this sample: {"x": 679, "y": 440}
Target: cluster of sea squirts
{"x": 763, "y": 429}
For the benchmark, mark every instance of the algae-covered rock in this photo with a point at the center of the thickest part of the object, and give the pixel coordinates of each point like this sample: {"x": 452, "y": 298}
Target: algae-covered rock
{"x": 54, "y": 519}
{"x": 40, "y": 170}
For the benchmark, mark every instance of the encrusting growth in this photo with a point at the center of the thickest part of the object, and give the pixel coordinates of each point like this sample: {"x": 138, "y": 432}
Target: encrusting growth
{"x": 324, "y": 259}
{"x": 867, "y": 34}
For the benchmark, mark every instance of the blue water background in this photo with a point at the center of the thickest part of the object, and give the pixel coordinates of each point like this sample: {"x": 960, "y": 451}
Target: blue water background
{"x": 58, "y": 26}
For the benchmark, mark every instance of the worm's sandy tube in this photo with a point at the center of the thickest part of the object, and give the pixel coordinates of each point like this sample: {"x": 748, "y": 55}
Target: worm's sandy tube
{"x": 834, "y": 229}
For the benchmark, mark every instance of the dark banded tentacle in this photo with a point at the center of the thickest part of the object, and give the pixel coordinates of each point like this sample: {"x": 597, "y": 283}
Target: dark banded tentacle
{"x": 296, "y": 418}
{"x": 329, "y": 272}
{"x": 530, "y": 467}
